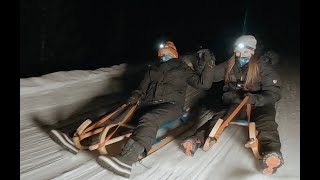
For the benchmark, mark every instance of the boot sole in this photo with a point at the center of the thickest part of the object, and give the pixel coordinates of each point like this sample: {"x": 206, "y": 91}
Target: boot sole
{"x": 271, "y": 164}
{"x": 114, "y": 167}
{"x": 60, "y": 140}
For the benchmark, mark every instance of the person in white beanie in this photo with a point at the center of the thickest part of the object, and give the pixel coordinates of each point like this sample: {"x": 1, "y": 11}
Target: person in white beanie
{"x": 244, "y": 74}
{"x": 245, "y": 43}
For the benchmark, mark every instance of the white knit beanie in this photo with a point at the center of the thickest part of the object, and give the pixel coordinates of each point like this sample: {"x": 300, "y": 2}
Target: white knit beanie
{"x": 245, "y": 42}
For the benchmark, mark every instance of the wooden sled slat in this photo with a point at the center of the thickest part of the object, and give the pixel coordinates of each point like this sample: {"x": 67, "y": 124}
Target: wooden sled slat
{"x": 76, "y": 141}
{"x": 252, "y": 130}
{"x": 103, "y": 138}
{"x": 83, "y": 130}
{"x": 83, "y": 126}
{"x": 210, "y": 140}
{"x": 105, "y": 118}
{"x": 104, "y": 134}
{"x": 103, "y": 142}
{"x": 91, "y": 133}
{"x": 103, "y": 150}
{"x": 253, "y": 142}
{"x": 76, "y": 137}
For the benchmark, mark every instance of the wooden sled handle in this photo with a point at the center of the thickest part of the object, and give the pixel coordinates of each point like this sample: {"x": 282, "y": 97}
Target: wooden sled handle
{"x": 103, "y": 149}
{"x": 103, "y": 136}
{"x": 105, "y": 118}
{"x": 127, "y": 117}
{"x": 77, "y": 138}
{"x": 83, "y": 131}
{"x": 227, "y": 121}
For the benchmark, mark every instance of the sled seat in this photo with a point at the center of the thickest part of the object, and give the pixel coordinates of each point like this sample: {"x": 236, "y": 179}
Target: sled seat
{"x": 240, "y": 122}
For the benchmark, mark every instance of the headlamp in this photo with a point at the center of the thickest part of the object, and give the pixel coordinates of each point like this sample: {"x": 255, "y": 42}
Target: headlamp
{"x": 241, "y": 45}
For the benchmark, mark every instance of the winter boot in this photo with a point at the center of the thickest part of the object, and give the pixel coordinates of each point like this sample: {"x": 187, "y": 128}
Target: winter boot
{"x": 190, "y": 145}
{"x": 122, "y": 164}
{"x": 63, "y": 140}
{"x": 271, "y": 161}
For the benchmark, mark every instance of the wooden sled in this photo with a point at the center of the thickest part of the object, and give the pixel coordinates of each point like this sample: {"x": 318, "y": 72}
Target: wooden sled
{"x": 106, "y": 142}
{"x": 221, "y": 125}
{"x": 87, "y": 129}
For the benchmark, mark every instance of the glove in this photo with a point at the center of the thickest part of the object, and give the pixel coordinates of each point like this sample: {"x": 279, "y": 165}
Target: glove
{"x": 133, "y": 99}
{"x": 212, "y": 61}
{"x": 206, "y": 58}
{"x": 231, "y": 97}
{"x": 252, "y": 98}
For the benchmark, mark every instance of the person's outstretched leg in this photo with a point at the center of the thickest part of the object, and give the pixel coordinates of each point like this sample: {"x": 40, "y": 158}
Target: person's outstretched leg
{"x": 268, "y": 137}
{"x": 142, "y": 139}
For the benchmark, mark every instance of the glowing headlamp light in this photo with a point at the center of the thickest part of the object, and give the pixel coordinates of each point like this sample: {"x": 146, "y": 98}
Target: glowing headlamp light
{"x": 241, "y": 45}
{"x": 161, "y": 46}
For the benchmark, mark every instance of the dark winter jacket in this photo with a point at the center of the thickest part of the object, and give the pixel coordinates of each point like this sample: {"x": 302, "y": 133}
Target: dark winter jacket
{"x": 266, "y": 91}
{"x": 167, "y": 82}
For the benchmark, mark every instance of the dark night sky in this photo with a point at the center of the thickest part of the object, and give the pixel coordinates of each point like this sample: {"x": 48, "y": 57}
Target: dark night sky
{"x": 66, "y": 35}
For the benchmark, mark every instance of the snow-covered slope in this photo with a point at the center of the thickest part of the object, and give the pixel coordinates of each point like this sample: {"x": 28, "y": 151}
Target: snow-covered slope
{"x": 61, "y": 98}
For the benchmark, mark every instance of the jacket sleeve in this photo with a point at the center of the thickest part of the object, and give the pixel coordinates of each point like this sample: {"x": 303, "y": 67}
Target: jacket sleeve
{"x": 208, "y": 75}
{"x": 219, "y": 72}
{"x": 270, "y": 85}
{"x": 201, "y": 80}
{"x": 142, "y": 88}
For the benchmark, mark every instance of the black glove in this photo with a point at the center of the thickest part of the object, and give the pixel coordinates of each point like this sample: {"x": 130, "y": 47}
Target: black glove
{"x": 212, "y": 60}
{"x": 133, "y": 99}
{"x": 206, "y": 58}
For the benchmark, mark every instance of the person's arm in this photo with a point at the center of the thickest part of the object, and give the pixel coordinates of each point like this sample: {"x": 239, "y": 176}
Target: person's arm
{"x": 210, "y": 73}
{"x": 219, "y": 72}
{"x": 203, "y": 79}
{"x": 200, "y": 81}
{"x": 270, "y": 86}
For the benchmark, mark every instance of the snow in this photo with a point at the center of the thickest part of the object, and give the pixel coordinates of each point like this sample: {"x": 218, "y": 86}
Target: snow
{"x": 69, "y": 96}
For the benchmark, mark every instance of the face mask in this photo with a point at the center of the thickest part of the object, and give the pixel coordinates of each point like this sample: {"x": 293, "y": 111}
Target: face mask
{"x": 165, "y": 58}
{"x": 243, "y": 61}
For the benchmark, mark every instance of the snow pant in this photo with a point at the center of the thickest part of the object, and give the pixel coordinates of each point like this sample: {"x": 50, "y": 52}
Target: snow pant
{"x": 150, "y": 118}
{"x": 264, "y": 117}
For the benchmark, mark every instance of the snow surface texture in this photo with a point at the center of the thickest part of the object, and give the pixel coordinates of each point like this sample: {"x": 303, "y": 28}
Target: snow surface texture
{"x": 69, "y": 96}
